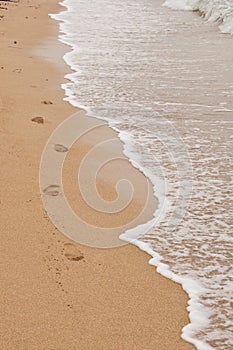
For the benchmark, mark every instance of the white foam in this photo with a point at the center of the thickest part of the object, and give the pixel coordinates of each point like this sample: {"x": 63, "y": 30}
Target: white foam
{"x": 187, "y": 5}
{"x": 198, "y": 314}
{"x": 137, "y": 142}
{"x": 215, "y": 11}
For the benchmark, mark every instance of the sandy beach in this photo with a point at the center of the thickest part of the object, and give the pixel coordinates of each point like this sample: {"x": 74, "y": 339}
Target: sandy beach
{"x": 55, "y": 293}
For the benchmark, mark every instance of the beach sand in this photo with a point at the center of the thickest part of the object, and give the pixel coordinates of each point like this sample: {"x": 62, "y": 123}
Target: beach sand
{"x": 55, "y": 293}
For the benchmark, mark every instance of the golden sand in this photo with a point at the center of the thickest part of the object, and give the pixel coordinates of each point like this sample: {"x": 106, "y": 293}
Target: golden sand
{"x": 56, "y": 294}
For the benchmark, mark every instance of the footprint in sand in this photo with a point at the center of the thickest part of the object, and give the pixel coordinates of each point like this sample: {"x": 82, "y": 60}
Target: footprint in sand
{"x": 72, "y": 252}
{"x": 17, "y": 70}
{"x": 38, "y": 120}
{"x": 52, "y": 190}
{"x": 47, "y": 102}
{"x": 60, "y": 148}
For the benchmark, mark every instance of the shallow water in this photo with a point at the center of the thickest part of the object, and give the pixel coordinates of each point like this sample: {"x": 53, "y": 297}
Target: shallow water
{"x": 220, "y": 11}
{"x": 164, "y": 79}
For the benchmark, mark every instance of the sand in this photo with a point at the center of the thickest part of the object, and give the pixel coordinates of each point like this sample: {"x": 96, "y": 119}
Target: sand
{"x": 56, "y": 294}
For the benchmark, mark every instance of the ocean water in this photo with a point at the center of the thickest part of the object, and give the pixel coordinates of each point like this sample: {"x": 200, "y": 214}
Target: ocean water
{"x": 164, "y": 80}
{"x": 213, "y": 10}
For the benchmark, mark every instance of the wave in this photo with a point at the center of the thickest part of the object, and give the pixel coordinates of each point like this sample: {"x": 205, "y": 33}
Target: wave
{"x": 220, "y": 11}
{"x": 110, "y": 80}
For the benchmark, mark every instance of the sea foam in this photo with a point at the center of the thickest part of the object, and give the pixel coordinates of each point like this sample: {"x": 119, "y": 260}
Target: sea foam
{"x": 220, "y": 11}
{"x": 134, "y": 66}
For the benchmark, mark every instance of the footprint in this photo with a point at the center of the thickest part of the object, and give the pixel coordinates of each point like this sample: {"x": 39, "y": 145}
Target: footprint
{"x": 60, "y": 148}
{"x": 72, "y": 252}
{"x": 38, "y": 120}
{"x": 47, "y": 102}
{"x": 52, "y": 190}
{"x": 17, "y": 70}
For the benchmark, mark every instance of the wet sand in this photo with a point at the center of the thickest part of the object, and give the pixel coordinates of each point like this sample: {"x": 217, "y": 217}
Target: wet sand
{"x": 57, "y": 294}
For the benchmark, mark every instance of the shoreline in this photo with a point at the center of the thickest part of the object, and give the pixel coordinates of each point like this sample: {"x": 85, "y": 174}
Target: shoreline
{"x": 43, "y": 286}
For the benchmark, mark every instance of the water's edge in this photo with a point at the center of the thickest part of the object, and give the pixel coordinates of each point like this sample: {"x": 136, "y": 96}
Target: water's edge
{"x": 191, "y": 287}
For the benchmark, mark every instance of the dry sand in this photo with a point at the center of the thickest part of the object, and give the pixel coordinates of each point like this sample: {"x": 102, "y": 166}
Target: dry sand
{"x": 56, "y": 294}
